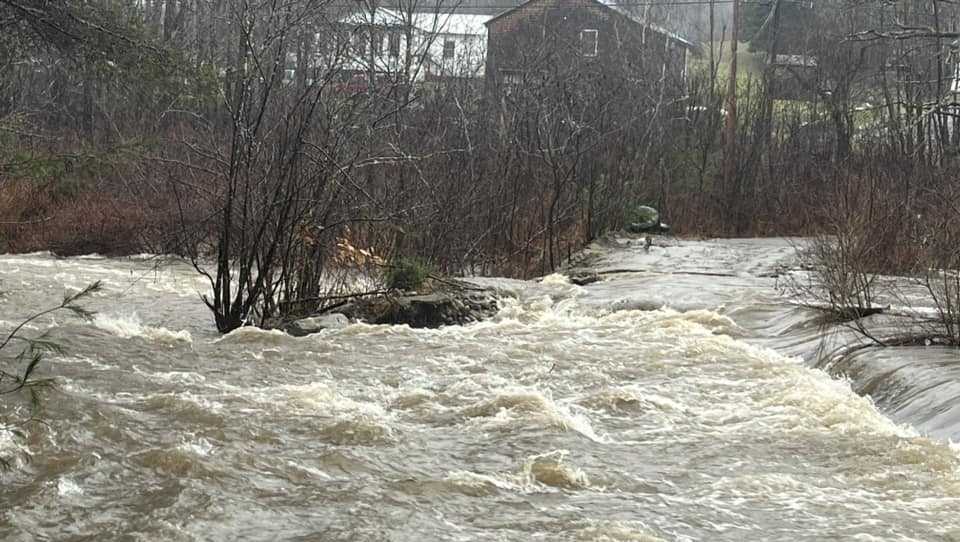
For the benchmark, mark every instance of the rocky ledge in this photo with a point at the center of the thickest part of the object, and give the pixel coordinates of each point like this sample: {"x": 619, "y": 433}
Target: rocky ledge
{"x": 424, "y": 310}
{"x": 437, "y": 304}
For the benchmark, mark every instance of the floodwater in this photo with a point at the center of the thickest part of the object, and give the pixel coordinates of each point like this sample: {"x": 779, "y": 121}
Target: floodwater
{"x": 678, "y": 399}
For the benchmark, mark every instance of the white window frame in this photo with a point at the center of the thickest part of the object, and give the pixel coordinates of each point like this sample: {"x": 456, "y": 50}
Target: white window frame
{"x": 596, "y": 42}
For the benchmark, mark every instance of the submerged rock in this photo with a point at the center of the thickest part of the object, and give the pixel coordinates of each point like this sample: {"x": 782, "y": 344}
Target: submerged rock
{"x": 315, "y": 324}
{"x": 582, "y": 277}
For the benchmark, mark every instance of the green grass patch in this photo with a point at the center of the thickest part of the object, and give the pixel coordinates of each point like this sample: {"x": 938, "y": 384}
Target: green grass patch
{"x": 407, "y": 274}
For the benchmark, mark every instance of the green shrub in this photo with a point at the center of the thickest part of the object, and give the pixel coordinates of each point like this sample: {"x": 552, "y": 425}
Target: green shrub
{"x": 641, "y": 214}
{"x": 407, "y": 274}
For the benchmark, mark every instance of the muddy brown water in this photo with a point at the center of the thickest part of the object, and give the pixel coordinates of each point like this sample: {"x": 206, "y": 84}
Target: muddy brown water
{"x": 649, "y": 406}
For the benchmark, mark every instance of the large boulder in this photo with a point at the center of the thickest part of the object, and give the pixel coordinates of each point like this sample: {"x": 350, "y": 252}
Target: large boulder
{"x": 440, "y": 302}
{"x": 644, "y": 219}
{"x": 644, "y": 228}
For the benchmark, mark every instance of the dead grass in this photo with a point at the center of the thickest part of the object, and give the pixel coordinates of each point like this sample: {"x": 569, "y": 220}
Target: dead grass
{"x": 33, "y": 217}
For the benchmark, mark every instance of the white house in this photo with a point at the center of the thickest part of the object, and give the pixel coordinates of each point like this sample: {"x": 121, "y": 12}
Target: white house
{"x": 427, "y": 46}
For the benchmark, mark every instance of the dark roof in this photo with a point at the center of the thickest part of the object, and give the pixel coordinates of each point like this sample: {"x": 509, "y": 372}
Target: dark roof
{"x": 616, "y": 9}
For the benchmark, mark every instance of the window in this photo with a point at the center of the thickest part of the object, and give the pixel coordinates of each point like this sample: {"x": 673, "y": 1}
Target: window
{"x": 394, "y": 43}
{"x": 511, "y": 78}
{"x": 589, "y": 42}
{"x": 449, "y": 46}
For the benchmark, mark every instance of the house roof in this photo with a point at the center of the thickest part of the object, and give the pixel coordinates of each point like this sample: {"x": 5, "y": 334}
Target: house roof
{"x": 452, "y": 23}
{"x": 378, "y": 17}
{"x": 614, "y": 6}
{"x": 430, "y": 22}
{"x": 802, "y": 61}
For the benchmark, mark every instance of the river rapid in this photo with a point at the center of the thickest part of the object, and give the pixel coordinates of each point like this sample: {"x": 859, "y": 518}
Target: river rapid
{"x": 678, "y": 399}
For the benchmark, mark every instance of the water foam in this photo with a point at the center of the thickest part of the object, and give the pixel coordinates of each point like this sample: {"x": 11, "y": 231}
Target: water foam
{"x": 412, "y": 398}
{"x": 517, "y": 404}
{"x": 176, "y": 377}
{"x": 199, "y": 447}
{"x": 12, "y": 450}
{"x": 68, "y": 488}
{"x": 255, "y": 335}
{"x": 129, "y": 326}
{"x": 616, "y": 531}
{"x": 312, "y": 471}
{"x": 354, "y": 422}
{"x": 716, "y": 323}
{"x": 631, "y": 398}
{"x": 488, "y": 483}
{"x": 555, "y": 279}
{"x": 552, "y": 469}
{"x": 548, "y": 471}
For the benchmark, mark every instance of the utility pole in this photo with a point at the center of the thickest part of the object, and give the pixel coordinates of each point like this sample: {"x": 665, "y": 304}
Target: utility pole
{"x": 769, "y": 73}
{"x": 774, "y": 20}
{"x": 713, "y": 57}
{"x": 730, "y": 181}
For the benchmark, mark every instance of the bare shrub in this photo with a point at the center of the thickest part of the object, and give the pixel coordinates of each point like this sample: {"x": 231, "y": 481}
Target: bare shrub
{"x": 877, "y": 247}
{"x": 936, "y": 233}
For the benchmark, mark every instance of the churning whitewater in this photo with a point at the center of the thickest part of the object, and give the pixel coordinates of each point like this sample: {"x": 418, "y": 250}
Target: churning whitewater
{"x": 649, "y": 406}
